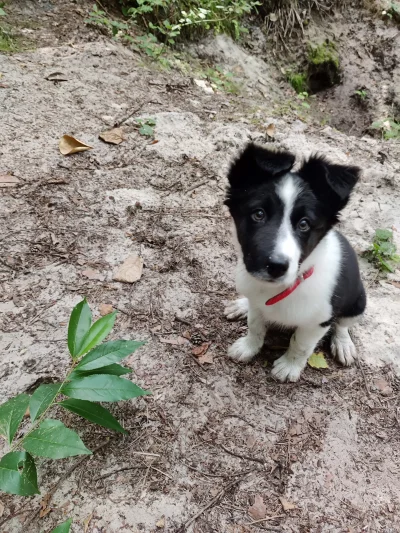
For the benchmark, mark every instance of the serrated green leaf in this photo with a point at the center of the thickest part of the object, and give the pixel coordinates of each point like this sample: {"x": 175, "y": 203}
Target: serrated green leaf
{"x": 78, "y": 327}
{"x": 63, "y": 528}
{"x": 146, "y": 130}
{"x": 383, "y": 234}
{"x": 42, "y": 398}
{"x": 94, "y": 413}
{"x": 114, "y": 369}
{"x": 107, "y": 353}
{"x": 52, "y": 439}
{"x": 11, "y": 414}
{"x": 98, "y": 332}
{"x": 102, "y": 388}
{"x": 18, "y": 474}
{"x": 317, "y": 360}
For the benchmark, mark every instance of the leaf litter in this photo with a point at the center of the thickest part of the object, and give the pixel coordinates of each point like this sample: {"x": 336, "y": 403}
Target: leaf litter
{"x": 68, "y": 145}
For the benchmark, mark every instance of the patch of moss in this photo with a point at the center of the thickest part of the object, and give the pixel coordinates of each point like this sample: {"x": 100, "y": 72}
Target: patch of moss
{"x": 6, "y": 42}
{"x": 298, "y": 81}
{"x": 323, "y": 66}
{"x": 323, "y": 53}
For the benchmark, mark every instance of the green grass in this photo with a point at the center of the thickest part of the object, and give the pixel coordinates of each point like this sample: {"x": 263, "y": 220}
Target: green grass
{"x": 7, "y": 43}
{"x": 382, "y": 252}
{"x": 298, "y": 81}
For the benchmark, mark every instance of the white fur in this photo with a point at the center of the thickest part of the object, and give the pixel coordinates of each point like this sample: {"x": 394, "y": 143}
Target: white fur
{"x": 286, "y": 245}
{"x": 307, "y": 307}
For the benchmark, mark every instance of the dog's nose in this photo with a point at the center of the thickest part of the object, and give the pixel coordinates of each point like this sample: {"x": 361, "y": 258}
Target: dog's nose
{"x": 277, "y": 266}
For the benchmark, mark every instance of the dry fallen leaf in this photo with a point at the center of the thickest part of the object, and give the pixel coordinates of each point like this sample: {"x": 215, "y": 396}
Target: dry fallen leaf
{"x": 176, "y": 341}
{"x": 69, "y": 145}
{"x": 105, "y": 309}
{"x": 93, "y": 274}
{"x": 317, "y": 360}
{"x": 287, "y": 506}
{"x": 87, "y": 521}
{"x": 130, "y": 270}
{"x": 270, "y": 130}
{"x": 1, "y": 509}
{"x": 206, "y": 359}
{"x": 114, "y": 136}
{"x": 258, "y": 510}
{"x": 187, "y": 335}
{"x": 395, "y": 284}
{"x": 56, "y": 76}
{"x": 161, "y": 523}
{"x": 6, "y": 180}
{"x": 383, "y": 386}
{"x": 201, "y": 350}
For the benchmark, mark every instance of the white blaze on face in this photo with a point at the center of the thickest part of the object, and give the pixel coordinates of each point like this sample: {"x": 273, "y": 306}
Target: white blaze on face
{"x": 286, "y": 244}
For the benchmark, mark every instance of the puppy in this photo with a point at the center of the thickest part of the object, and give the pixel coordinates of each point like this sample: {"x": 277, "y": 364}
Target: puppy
{"x": 294, "y": 269}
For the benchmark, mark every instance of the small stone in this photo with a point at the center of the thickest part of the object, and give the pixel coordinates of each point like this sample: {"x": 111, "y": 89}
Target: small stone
{"x": 130, "y": 270}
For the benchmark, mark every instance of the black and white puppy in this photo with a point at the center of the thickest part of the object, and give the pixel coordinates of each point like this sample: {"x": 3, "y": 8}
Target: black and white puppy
{"x": 294, "y": 269}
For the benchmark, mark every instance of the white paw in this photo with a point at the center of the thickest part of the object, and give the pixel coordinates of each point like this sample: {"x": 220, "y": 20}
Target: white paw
{"x": 243, "y": 350}
{"x": 237, "y": 309}
{"x": 286, "y": 368}
{"x": 343, "y": 349}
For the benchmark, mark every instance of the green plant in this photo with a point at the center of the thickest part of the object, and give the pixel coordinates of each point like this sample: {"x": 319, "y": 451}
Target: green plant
{"x": 146, "y": 126}
{"x": 389, "y": 128}
{"x": 94, "y": 376}
{"x": 298, "y": 81}
{"x": 362, "y": 94}
{"x": 97, "y": 17}
{"x": 223, "y": 81}
{"x": 169, "y": 20}
{"x": 383, "y": 251}
{"x": 64, "y": 527}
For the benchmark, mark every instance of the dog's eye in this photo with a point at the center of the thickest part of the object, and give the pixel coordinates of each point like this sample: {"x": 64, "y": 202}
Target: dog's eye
{"x": 304, "y": 224}
{"x": 258, "y": 215}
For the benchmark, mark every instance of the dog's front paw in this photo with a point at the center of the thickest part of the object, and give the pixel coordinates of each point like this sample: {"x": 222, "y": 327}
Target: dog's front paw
{"x": 237, "y": 309}
{"x": 287, "y": 368}
{"x": 343, "y": 349}
{"x": 243, "y": 350}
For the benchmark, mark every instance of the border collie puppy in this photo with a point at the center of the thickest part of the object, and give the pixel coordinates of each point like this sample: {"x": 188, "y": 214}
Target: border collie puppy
{"x": 294, "y": 269}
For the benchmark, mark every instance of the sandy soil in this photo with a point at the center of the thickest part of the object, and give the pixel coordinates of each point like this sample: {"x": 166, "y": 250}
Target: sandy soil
{"x": 328, "y": 444}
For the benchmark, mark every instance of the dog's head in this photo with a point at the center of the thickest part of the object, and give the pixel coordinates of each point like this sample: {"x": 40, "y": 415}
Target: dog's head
{"x": 281, "y": 216}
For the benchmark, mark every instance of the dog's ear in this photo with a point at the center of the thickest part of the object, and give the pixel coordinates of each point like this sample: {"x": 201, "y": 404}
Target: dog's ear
{"x": 331, "y": 184}
{"x": 257, "y": 165}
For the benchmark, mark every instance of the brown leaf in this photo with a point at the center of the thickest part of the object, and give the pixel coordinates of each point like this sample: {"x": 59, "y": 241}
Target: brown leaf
{"x": 1, "y": 509}
{"x": 206, "y": 359}
{"x": 176, "y": 341}
{"x": 287, "y": 506}
{"x": 87, "y": 521}
{"x": 383, "y": 386}
{"x": 56, "y": 76}
{"x": 201, "y": 350}
{"x": 395, "y": 284}
{"x": 270, "y": 130}
{"x": 187, "y": 335}
{"x": 6, "y": 180}
{"x": 258, "y": 510}
{"x": 105, "y": 309}
{"x": 44, "y": 512}
{"x": 69, "y": 145}
{"x": 93, "y": 274}
{"x": 114, "y": 136}
{"x": 130, "y": 270}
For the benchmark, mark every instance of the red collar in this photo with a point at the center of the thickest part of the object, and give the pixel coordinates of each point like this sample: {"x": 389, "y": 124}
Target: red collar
{"x": 284, "y": 294}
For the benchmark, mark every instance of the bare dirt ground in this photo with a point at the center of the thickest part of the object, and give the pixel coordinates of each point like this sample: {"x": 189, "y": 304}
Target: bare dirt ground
{"x": 218, "y": 436}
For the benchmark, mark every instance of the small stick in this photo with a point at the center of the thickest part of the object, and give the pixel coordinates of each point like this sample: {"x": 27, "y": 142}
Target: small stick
{"x": 196, "y": 185}
{"x": 147, "y": 453}
{"x": 365, "y": 379}
{"x": 109, "y": 474}
{"x": 266, "y": 519}
{"x": 211, "y": 503}
{"x": 248, "y": 458}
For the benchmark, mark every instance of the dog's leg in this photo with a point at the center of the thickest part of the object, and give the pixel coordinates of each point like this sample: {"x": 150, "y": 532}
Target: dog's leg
{"x": 237, "y": 309}
{"x": 342, "y": 346}
{"x": 302, "y": 344}
{"x": 245, "y": 348}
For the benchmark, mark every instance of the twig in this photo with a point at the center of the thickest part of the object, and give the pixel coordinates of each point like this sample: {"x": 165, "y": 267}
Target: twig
{"x": 22, "y": 511}
{"x": 364, "y": 376}
{"x": 211, "y": 503}
{"x": 147, "y": 453}
{"x": 247, "y": 457}
{"x": 196, "y": 185}
{"x": 122, "y": 120}
{"x": 124, "y": 469}
{"x": 232, "y": 415}
{"x": 266, "y": 519}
